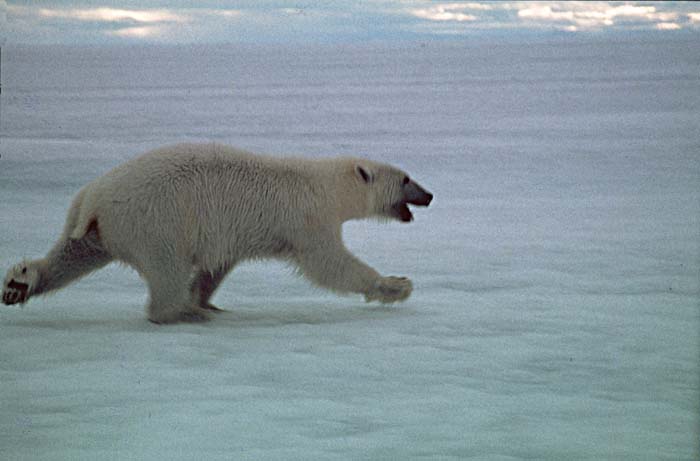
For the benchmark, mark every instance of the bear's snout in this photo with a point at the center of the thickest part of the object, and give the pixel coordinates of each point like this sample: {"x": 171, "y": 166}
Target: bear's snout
{"x": 416, "y": 195}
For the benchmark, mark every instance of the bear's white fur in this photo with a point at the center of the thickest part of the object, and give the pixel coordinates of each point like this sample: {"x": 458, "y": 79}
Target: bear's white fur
{"x": 183, "y": 216}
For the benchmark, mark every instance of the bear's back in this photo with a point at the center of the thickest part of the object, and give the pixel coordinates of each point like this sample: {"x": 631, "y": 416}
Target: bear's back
{"x": 208, "y": 200}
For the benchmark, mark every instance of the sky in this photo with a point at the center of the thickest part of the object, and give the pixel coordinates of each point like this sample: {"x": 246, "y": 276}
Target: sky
{"x": 191, "y": 21}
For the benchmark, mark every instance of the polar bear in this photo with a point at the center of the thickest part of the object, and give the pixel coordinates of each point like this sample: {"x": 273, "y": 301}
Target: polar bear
{"x": 183, "y": 216}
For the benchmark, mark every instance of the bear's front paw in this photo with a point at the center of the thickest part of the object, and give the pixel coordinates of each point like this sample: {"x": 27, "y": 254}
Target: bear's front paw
{"x": 390, "y": 290}
{"x": 19, "y": 284}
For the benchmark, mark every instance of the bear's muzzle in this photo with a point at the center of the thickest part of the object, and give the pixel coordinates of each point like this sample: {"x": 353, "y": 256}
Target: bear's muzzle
{"x": 414, "y": 194}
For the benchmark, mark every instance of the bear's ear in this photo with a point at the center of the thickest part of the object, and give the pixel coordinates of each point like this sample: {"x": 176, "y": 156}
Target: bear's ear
{"x": 365, "y": 175}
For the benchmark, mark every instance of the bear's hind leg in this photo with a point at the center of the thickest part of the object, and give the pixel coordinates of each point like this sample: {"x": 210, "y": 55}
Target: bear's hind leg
{"x": 170, "y": 298}
{"x": 67, "y": 261}
{"x": 204, "y": 285}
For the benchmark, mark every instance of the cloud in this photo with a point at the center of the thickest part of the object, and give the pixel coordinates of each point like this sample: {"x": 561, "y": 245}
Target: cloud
{"x": 112, "y": 15}
{"x": 444, "y": 12}
{"x": 160, "y": 24}
{"x": 188, "y": 21}
{"x": 576, "y": 16}
{"x": 593, "y": 15}
{"x": 667, "y": 26}
{"x": 138, "y": 32}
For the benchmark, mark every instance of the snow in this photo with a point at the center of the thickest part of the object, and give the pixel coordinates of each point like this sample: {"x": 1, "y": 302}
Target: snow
{"x": 555, "y": 312}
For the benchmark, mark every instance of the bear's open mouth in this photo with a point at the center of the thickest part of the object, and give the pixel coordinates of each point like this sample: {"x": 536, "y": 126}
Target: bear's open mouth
{"x": 402, "y": 212}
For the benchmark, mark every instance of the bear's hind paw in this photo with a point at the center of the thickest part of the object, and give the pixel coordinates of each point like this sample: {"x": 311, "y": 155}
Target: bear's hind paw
{"x": 197, "y": 315}
{"x": 15, "y": 292}
{"x": 19, "y": 284}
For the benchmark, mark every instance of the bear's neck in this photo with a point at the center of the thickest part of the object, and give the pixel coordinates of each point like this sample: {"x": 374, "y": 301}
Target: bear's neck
{"x": 351, "y": 206}
{"x": 343, "y": 188}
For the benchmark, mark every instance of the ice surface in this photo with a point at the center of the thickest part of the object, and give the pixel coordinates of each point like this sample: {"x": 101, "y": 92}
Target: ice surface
{"x": 555, "y": 313}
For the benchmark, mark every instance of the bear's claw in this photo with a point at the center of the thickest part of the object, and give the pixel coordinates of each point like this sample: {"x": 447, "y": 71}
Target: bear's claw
{"x": 15, "y": 292}
{"x": 212, "y": 308}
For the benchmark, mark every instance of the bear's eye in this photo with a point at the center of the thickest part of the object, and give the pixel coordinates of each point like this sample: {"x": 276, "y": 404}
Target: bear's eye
{"x": 405, "y": 180}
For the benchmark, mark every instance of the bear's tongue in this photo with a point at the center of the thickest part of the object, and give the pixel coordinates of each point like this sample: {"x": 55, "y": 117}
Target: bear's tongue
{"x": 403, "y": 212}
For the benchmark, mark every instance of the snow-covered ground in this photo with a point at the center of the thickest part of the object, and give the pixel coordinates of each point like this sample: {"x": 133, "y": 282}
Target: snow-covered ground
{"x": 557, "y": 273}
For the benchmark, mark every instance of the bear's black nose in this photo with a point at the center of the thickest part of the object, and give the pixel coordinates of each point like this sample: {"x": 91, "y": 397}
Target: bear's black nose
{"x": 416, "y": 195}
{"x": 421, "y": 200}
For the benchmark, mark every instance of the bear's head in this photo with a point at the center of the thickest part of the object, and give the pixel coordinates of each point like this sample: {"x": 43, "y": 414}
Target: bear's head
{"x": 389, "y": 191}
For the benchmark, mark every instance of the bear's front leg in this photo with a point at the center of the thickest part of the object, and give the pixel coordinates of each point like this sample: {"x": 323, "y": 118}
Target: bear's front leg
{"x": 329, "y": 264}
